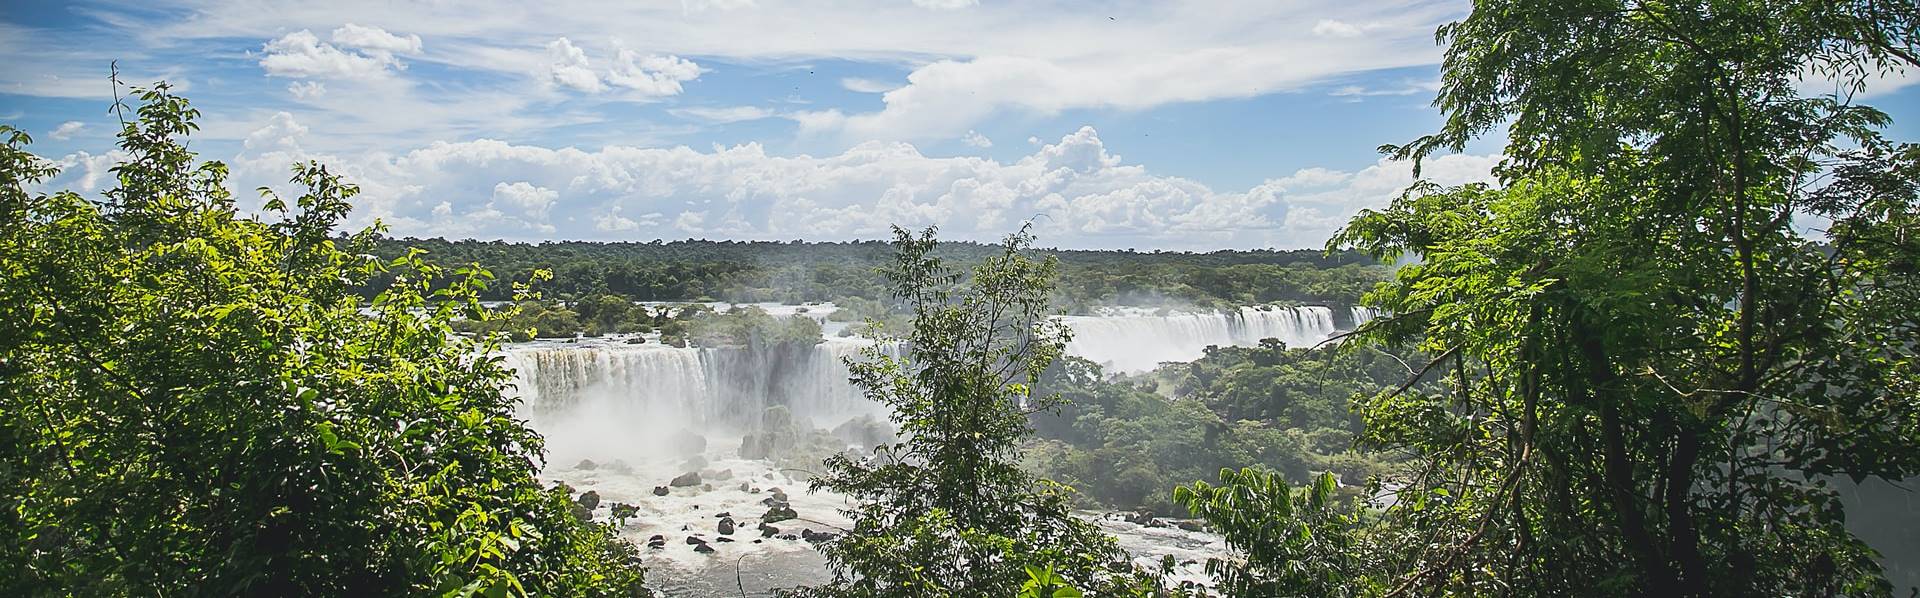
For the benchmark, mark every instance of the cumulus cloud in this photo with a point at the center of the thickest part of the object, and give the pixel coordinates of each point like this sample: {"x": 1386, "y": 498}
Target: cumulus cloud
{"x": 306, "y": 90}
{"x": 369, "y": 52}
{"x": 66, "y": 130}
{"x": 975, "y": 139}
{"x": 643, "y": 75}
{"x": 651, "y": 75}
{"x": 567, "y": 66}
{"x": 375, "y": 40}
{"x": 1078, "y": 192}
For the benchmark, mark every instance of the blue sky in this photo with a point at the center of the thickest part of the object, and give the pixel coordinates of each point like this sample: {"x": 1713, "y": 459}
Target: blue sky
{"x": 1177, "y": 125}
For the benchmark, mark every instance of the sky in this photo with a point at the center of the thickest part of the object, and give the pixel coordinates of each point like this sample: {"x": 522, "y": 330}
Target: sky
{"x": 1147, "y": 125}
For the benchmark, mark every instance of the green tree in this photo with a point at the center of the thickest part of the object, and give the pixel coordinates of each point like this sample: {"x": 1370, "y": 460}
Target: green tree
{"x": 1651, "y": 371}
{"x": 949, "y": 512}
{"x": 192, "y": 402}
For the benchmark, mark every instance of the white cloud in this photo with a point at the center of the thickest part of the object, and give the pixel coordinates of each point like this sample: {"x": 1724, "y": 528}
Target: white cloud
{"x": 1404, "y": 88}
{"x": 567, "y": 66}
{"x": 375, "y": 40}
{"x": 643, "y": 75}
{"x": 975, "y": 139}
{"x": 652, "y": 75}
{"x": 965, "y": 66}
{"x": 281, "y": 134}
{"x": 66, "y": 130}
{"x": 860, "y": 85}
{"x": 303, "y": 90}
{"x": 728, "y": 114}
{"x": 301, "y": 54}
{"x": 533, "y": 201}
{"x": 1078, "y": 193}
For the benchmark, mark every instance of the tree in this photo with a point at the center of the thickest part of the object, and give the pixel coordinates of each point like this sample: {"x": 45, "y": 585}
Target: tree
{"x": 948, "y": 511}
{"x": 1652, "y": 372}
{"x": 1294, "y": 542}
{"x": 192, "y": 402}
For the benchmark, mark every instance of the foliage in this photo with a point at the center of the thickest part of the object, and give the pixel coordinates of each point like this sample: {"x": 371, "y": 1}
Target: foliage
{"x": 1123, "y": 442}
{"x": 948, "y": 512}
{"x": 191, "y": 401}
{"x": 1653, "y": 372}
{"x": 798, "y": 272}
{"x": 1293, "y": 542}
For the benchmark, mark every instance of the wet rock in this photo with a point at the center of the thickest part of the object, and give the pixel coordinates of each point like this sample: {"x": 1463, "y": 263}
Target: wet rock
{"x": 586, "y": 464}
{"x": 865, "y": 431}
{"x": 706, "y": 487}
{"x": 817, "y": 537}
{"x": 723, "y": 539}
{"x": 1157, "y": 523}
{"x": 696, "y": 540}
{"x": 703, "y": 549}
{"x": 589, "y": 499}
{"x": 657, "y": 542}
{"x": 723, "y": 514}
{"x": 582, "y": 513}
{"x": 620, "y": 467}
{"x": 722, "y": 475}
{"x": 778, "y": 513}
{"x": 1142, "y": 517}
{"x": 691, "y": 478}
{"x": 787, "y": 537}
{"x": 622, "y": 512}
{"x": 1192, "y": 526}
{"x": 659, "y": 490}
{"x": 726, "y": 526}
{"x": 768, "y": 531}
{"x": 695, "y": 463}
{"x": 744, "y": 486}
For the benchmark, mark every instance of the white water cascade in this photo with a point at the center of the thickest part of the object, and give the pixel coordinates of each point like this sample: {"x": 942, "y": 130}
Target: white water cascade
{"x": 704, "y": 388}
{"x": 1138, "y": 341}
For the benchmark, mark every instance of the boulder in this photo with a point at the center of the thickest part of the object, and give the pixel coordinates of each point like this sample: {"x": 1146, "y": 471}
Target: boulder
{"x": 722, "y": 475}
{"x": 696, "y": 540}
{"x": 582, "y": 513}
{"x": 703, "y": 549}
{"x": 768, "y": 531}
{"x": 586, "y": 464}
{"x": 1142, "y": 517}
{"x": 744, "y": 486}
{"x": 620, "y": 467}
{"x": 726, "y": 526}
{"x": 657, "y": 542}
{"x": 691, "y": 478}
{"x": 817, "y": 537}
{"x": 723, "y": 514}
{"x": 1192, "y": 526}
{"x": 694, "y": 463}
{"x": 723, "y": 539}
{"x": 778, "y": 513}
{"x": 589, "y": 499}
{"x": 659, "y": 490}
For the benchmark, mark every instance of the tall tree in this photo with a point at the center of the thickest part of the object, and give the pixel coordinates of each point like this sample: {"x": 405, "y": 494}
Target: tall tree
{"x": 1652, "y": 367}
{"x": 948, "y": 511}
{"x": 193, "y": 403}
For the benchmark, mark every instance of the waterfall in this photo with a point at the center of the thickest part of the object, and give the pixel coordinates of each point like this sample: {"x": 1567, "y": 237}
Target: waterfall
{"x": 1362, "y": 315}
{"x": 1137, "y": 342}
{"x": 701, "y": 388}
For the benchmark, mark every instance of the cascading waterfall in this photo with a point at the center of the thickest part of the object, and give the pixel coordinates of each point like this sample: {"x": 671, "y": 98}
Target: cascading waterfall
{"x": 704, "y": 388}
{"x": 1362, "y": 315}
{"x": 1136, "y": 341}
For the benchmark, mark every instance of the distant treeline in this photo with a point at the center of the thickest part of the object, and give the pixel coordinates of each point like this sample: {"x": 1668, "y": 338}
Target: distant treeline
{"x": 796, "y": 271}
